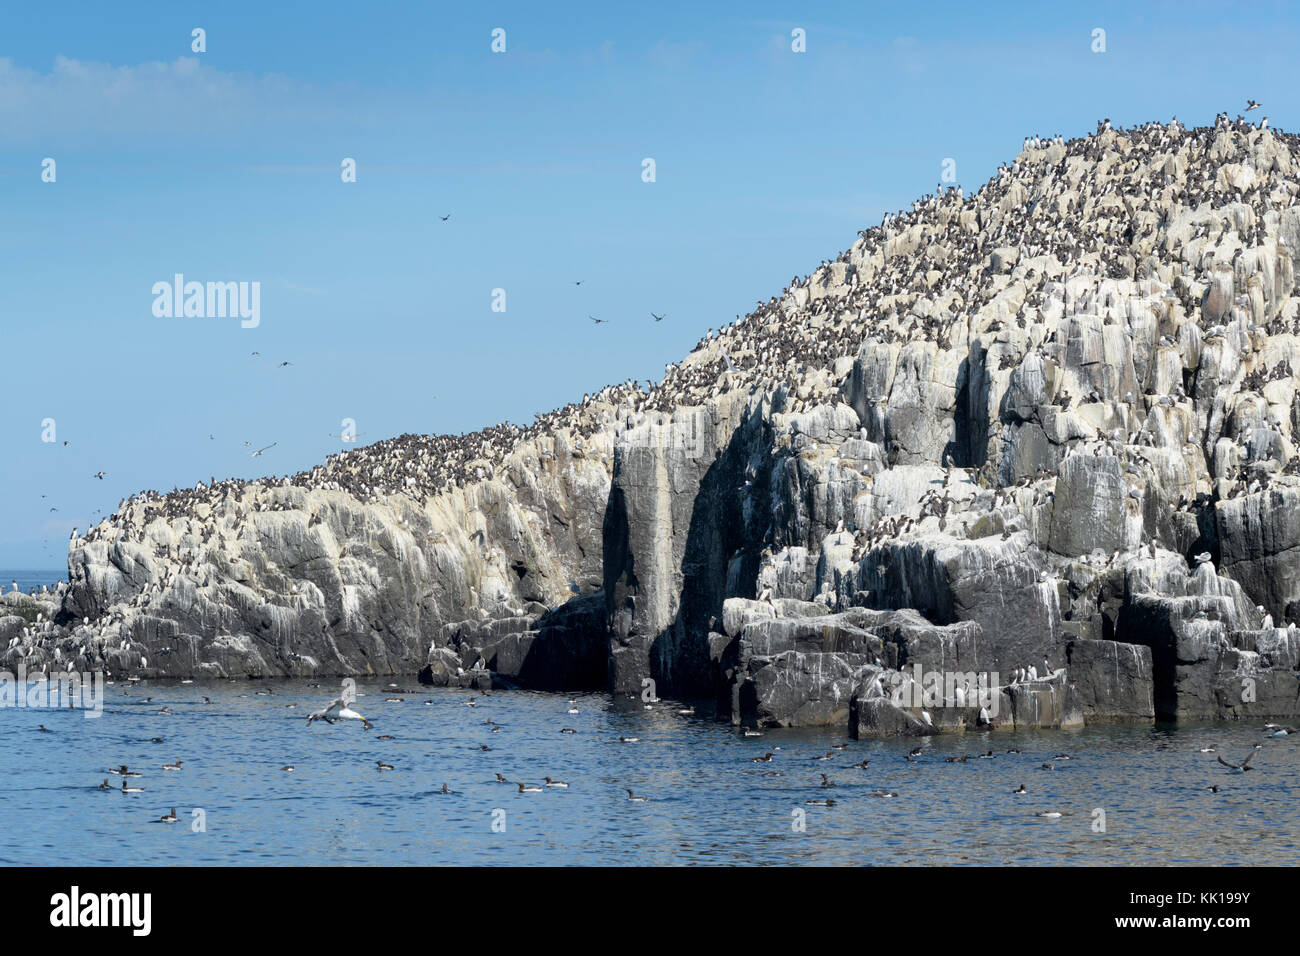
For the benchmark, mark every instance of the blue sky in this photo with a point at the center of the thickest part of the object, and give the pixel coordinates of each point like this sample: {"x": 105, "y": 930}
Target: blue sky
{"x": 225, "y": 166}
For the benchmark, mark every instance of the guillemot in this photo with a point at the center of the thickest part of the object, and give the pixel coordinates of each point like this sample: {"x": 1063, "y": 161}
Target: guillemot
{"x": 126, "y": 789}
{"x": 1020, "y": 789}
{"x": 555, "y": 783}
{"x": 383, "y": 766}
{"x": 173, "y": 766}
{"x": 1244, "y": 765}
{"x": 123, "y": 772}
{"x": 633, "y": 798}
{"x": 169, "y": 818}
{"x": 523, "y": 788}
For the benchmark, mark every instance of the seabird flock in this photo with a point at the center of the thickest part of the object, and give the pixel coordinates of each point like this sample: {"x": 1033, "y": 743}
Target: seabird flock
{"x": 922, "y": 275}
{"x": 845, "y": 778}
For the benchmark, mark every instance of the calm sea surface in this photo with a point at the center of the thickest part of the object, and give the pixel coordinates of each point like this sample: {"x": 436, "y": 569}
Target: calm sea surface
{"x": 709, "y": 803}
{"x": 28, "y": 579}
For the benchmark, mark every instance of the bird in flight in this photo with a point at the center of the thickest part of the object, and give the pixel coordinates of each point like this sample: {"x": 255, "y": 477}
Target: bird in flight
{"x": 283, "y": 364}
{"x": 578, "y": 282}
{"x": 99, "y": 475}
{"x": 445, "y": 218}
{"x": 658, "y": 318}
{"x": 598, "y": 321}
{"x": 258, "y": 453}
{"x": 1244, "y": 765}
{"x": 1251, "y": 105}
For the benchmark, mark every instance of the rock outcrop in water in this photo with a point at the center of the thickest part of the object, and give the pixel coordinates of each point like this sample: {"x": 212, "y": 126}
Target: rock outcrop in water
{"x": 1025, "y": 458}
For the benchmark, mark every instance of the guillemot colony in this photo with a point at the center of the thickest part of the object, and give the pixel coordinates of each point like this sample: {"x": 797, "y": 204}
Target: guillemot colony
{"x": 998, "y": 429}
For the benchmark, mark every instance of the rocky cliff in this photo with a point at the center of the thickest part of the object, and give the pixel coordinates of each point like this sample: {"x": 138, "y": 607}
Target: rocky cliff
{"x": 1020, "y": 458}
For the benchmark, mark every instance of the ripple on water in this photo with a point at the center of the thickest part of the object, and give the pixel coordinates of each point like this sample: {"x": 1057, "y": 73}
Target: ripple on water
{"x": 709, "y": 803}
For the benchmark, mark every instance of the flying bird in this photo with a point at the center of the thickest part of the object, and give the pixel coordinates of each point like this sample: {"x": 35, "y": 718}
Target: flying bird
{"x": 445, "y": 218}
{"x": 258, "y": 453}
{"x": 1251, "y": 105}
{"x": 598, "y": 321}
{"x": 1244, "y": 765}
{"x": 658, "y": 318}
{"x": 345, "y": 713}
{"x": 99, "y": 475}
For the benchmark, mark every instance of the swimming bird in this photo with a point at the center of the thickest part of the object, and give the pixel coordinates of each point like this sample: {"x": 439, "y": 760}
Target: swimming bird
{"x": 828, "y": 802}
{"x": 555, "y": 783}
{"x": 827, "y": 781}
{"x": 628, "y": 740}
{"x": 882, "y": 793}
{"x": 633, "y": 798}
{"x": 502, "y": 779}
{"x": 288, "y": 768}
{"x": 126, "y": 789}
{"x": 105, "y": 785}
{"x": 383, "y": 766}
{"x": 446, "y": 789}
{"x": 1020, "y": 789}
{"x": 123, "y": 772}
{"x": 523, "y": 788}
{"x": 173, "y": 766}
{"x": 1244, "y": 765}
{"x": 1051, "y": 814}
{"x": 169, "y": 818}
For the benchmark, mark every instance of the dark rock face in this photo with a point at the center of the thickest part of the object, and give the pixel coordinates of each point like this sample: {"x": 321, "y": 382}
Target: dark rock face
{"x": 1112, "y": 681}
{"x": 674, "y": 528}
{"x": 1021, "y": 459}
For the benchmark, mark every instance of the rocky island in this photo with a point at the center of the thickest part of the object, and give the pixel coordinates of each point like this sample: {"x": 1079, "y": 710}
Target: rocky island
{"x": 1042, "y": 437}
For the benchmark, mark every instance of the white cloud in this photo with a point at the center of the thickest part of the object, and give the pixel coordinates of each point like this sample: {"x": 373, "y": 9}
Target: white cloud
{"x": 183, "y": 98}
